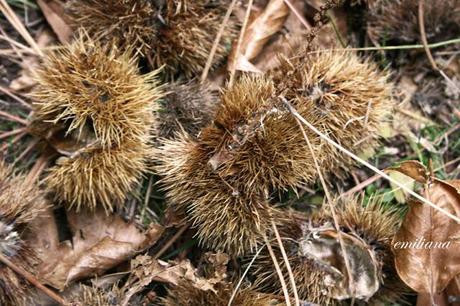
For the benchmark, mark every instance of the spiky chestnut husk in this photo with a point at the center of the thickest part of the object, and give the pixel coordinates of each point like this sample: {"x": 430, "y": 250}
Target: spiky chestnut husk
{"x": 94, "y": 296}
{"x": 188, "y": 295}
{"x": 87, "y": 86}
{"x": 225, "y": 217}
{"x": 397, "y": 20}
{"x": 95, "y": 176}
{"x": 373, "y": 224}
{"x": 20, "y": 203}
{"x": 349, "y": 97}
{"x": 186, "y": 107}
{"x": 222, "y": 179}
{"x": 176, "y": 33}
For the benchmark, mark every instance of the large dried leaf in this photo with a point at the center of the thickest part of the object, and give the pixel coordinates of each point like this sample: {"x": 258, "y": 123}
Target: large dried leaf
{"x": 432, "y": 259}
{"x": 54, "y": 13}
{"x": 99, "y": 242}
{"x": 146, "y": 269}
{"x": 324, "y": 248}
{"x": 258, "y": 33}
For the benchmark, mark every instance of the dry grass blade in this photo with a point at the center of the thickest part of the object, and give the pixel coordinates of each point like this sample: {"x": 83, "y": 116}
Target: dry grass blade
{"x": 171, "y": 241}
{"x": 235, "y": 291}
{"x": 421, "y": 21}
{"x": 334, "y": 215}
{"x": 11, "y": 133}
{"x": 15, "y": 97}
{"x": 298, "y": 14}
{"x": 17, "y": 24}
{"x": 233, "y": 64}
{"x": 278, "y": 271}
{"x": 13, "y": 118}
{"x": 288, "y": 265}
{"x": 208, "y": 65}
{"x": 368, "y": 165}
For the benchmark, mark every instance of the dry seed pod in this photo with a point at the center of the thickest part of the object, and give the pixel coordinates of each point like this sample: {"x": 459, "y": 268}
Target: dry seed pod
{"x": 176, "y": 33}
{"x": 226, "y": 218}
{"x": 99, "y": 111}
{"x": 85, "y": 86}
{"x": 222, "y": 178}
{"x": 316, "y": 257}
{"x": 186, "y": 107}
{"x": 188, "y": 295}
{"x": 20, "y": 203}
{"x": 350, "y": 98}
{"x": 391, "y": 20}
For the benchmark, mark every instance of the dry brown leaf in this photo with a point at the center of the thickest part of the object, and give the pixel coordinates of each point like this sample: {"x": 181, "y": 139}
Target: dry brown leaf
{"x": 54, "y": 13}
{"x": 428, "y": 268}
{"x": 99, "y": 242}
{"x": 413, "y": 169}
{"x": 258, "y": 33}
{"x": 146, "y": 269}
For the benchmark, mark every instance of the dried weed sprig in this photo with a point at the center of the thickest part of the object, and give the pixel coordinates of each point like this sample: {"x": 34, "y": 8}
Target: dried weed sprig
{"x": 373, "y": 224}
{"x": 177, "y": 34}
{"x": 20, "y": 203}
{"x": 397, "y": 20}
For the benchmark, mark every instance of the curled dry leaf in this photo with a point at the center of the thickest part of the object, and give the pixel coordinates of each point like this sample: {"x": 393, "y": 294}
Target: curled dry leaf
{"x": 401, "y": 195}
{"x": 413, "y": 169}
{"x": 257, "y": 34}
{"x": 146, "y": 269}
{"x": 426, "y": 248}
{"x": 99, "y": 242}
{"x": 324, "y": 248}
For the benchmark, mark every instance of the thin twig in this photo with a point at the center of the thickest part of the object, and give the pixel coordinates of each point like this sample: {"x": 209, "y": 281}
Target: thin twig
{"x": 11, "y": 133}
{"x": 240, "y": 42}
{"x": 208, "y": 65}
{"x": 13, "y": 118}
{"x": 171, "y": 241}
{"x": 17, "y": 24}
{"x": 361, "y": 185}
{"x": 146, "y": 200}
{"x": 278, "y": 271}
{"x": 401, "y": 47}
{"x": 351, "y": 285}
{"x": 15, "y": 97}
{"x": 298, "y": 15}
{"x": 368, "y": 165}
{"x": 32, "y": 279}
{"x": 31, "y": 145}
{"x": 15, "y": 139}
{"x": 288, "y": 265}
{"x": 37, "y": 169}
{"x": 244, "y": 275}
{"x": 421, "y": 22}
